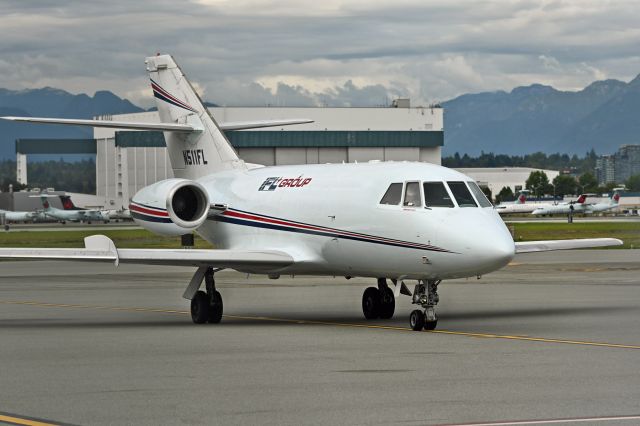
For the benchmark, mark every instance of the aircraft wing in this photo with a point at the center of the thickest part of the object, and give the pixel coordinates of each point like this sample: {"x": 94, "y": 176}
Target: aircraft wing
{"x": 99, "y": 248}
{"x": 167, "y": 127}
{"x": 537, "y": 246}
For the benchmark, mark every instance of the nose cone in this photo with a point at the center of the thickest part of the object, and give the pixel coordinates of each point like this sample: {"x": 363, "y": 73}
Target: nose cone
{"x": 501, "y": 248}
{"x": 483, "y": 242}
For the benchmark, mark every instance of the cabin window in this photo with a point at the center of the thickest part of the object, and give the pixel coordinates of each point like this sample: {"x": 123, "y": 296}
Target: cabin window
{"x": 412, "y": 195}
{"x": 462, "y": 194}
{"x": 393, "y": 194}
{"x": 482, "y": 199}
{"x": 436, "y": 195}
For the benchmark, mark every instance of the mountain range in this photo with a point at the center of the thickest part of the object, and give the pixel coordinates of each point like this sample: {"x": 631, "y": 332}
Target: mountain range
{"x": 603, "y": 116}
{"x": 50, "y": 102}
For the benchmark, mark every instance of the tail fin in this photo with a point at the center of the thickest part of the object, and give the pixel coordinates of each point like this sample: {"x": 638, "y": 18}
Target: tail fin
{"x": 67, "y": 204}
{"x": 522, "y": 198}
{"x": 582, "y": 199}
{"x": 45, "y": 202}
{"x": 193, "y": 154}
{"x": 615, "y": 198}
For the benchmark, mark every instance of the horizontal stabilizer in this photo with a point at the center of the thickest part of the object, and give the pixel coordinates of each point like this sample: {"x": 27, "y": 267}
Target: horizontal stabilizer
{"x": 536, "y": 246}
{"x": 99, "y": 248}
{"x": 166, "y": 127}
{"x": 243, "y": 125}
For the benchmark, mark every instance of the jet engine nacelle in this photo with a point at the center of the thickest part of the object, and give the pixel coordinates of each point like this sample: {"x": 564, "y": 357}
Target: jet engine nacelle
{"x": 170, "y": 207}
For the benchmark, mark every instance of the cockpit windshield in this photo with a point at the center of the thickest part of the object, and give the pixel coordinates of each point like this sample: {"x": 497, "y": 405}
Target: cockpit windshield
{"x": 412, "y": 196}
{"x": 462, "y": 194}
{"x": 482, "y": 199}
{"x": 393, "y": 194}
{"x": 436, "y": 195}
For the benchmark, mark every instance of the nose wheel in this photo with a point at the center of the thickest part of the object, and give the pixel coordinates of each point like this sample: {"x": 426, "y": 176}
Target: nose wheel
{"x": 425, "y": 295}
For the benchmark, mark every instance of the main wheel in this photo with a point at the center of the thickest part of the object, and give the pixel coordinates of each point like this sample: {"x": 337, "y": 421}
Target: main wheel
{"x": 6, "y": 227}
{"x": 215, "y": 308}
{"x": 371, "y": 303}
{"x": 430, "y": 325}
{"x": 387, "y": 303}
{"x": 200, "y": 307}
{"x": 416, "y": 320}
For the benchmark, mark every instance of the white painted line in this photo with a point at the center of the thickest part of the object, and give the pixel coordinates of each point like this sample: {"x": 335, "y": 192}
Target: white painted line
{"x": 550, "y": 421}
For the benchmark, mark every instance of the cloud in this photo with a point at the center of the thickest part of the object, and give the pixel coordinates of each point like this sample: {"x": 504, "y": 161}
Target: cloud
{"x": 254, "y": 52}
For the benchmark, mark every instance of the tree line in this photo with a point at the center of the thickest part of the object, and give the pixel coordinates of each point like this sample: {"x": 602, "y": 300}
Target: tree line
{"x": 537, "y": 160}
{"x": 564, "y": 184}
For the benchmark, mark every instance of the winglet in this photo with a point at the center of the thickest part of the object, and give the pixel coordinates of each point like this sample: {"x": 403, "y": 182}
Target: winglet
{"x": 102, "y": 243}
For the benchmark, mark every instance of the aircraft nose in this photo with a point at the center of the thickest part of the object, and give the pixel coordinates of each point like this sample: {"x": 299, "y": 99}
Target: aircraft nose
{"x": 496, "y": 247}
{"x": 501, "y": 248}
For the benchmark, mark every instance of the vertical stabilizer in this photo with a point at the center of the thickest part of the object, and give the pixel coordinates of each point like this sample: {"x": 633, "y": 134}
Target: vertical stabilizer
{"x": 192, "y": 154}
{"x": 615, "y": 199}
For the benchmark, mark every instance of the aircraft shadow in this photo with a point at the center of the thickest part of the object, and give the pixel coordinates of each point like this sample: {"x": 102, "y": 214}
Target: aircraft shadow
{"x": 284, "y": 319}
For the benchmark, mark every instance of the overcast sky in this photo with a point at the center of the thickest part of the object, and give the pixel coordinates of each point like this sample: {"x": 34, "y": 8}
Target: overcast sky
{"x": 319, "y": 52}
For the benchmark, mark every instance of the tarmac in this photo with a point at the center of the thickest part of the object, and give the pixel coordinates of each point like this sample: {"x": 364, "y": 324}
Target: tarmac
{"x": 554, "y": 338}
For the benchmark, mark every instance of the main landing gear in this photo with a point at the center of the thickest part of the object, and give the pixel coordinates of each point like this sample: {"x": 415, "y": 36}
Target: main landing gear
{"x": 378, "y": 302}
{"x": 205, "y": 306}
{"x": 425, "y": 295}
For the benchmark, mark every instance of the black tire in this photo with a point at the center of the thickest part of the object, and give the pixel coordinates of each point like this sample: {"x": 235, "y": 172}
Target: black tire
{"x": 416, "y": 320}
{"x": 387, "y": 303}
{"x": 88, "y": 222}
{"x": 215, "y": 308}
{"x": 371, "y": 303}
{"x": 6, "y": 227}
{"x": 430, "y": 325}
{"x": 200, "y": 307}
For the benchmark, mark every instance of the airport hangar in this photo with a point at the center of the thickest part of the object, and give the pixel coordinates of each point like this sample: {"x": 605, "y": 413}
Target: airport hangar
{"x": 127, "y": 161}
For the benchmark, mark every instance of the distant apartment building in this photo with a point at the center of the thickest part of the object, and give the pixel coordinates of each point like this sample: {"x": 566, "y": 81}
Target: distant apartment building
{"x": 605, "y": 169}
{"x": 618, "y": 167}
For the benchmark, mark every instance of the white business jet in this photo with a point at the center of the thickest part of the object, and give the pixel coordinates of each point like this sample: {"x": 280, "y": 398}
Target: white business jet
{"x": 389, "y": 220}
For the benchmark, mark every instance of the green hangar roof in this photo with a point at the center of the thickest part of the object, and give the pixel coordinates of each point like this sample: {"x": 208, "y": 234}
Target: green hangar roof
{"x": 247, "y": 139}
{"x": 300, "y": 139}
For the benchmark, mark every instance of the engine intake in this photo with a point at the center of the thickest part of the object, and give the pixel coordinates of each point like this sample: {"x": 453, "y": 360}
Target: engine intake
{"x": 171, "y": 207}
{"x": 188, "y": 204}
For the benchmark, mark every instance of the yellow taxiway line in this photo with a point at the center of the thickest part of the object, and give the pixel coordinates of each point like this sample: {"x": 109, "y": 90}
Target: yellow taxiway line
{"x": 328, "y": 323}
{"x": 12, "y": 419}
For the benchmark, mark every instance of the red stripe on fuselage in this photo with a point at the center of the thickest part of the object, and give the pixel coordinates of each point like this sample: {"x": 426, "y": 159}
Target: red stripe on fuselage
{"x": 147, "y": 211}
{"x": 323, "y": 229}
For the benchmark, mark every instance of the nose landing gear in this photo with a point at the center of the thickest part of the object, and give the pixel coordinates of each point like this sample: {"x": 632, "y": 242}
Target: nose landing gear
{"x": 425, "y": 295}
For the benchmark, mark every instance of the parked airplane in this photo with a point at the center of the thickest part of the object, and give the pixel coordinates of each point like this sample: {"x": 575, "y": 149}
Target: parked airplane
{"x": 12, "y": 217}
{"x": 578, "y": 206}
{"x": 520, "y": 205}
{"x": 72, "y": 215}
{"x": 602, "y": 207}
{"x": 389, "y": 220}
